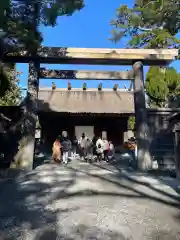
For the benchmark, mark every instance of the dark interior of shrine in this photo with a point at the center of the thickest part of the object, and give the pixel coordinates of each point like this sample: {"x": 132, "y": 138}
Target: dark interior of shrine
{"x": 53, "y": 124}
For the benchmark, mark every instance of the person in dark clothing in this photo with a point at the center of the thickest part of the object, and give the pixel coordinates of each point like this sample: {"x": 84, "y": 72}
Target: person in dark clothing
{"x": 94, "y": 140}
{"x": 89, "y": 149}
{"x": 82, "y": 145}
{"x": 132, "y": 149}
{"x": 74, "y": 147}
{"x": 66, "y": 147}
{"x": 106, "y": 149}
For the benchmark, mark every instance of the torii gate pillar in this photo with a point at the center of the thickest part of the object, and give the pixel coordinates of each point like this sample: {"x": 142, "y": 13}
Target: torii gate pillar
{"x": 25, "y": 156}
{"x": 144, "y": 161}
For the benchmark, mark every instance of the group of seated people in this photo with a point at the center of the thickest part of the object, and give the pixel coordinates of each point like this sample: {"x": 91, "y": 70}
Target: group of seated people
{"x": 88, "y": 149}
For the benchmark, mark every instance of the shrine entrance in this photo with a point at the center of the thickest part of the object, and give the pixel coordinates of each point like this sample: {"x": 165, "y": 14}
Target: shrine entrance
{"x": 53, "y": 124}
{"x": 54, "y": 55}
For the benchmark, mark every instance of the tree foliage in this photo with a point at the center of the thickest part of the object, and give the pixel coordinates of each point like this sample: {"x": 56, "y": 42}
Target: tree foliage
{"x": 162, "y": 86}
{"x": 12, "y": 95}
{"x": 22, "y": 18}
{"x": 149, "y": 24}
{"x": 152, "y": 24}
{"x": 19, "y": 25}
{"x": 131, "y": 123}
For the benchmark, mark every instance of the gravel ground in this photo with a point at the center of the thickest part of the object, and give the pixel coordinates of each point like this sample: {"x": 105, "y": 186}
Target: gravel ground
{"x": 82, "y": 201}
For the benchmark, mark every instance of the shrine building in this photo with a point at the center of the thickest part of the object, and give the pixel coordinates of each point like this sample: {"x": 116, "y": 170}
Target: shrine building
{"x": 101, "y": 112}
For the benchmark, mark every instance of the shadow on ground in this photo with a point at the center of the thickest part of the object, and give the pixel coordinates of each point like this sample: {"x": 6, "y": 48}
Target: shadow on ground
{"x": 25, "y": 205}
{"x": 41, "y": 159}
{"x": 173, "y": 200}
{"x": 81, "y": 232}
{"x": 27, "y": 200}
{"x": 165, "y": 176}
{"x": 164, "y": 235}
{"x": 139, "y": 178}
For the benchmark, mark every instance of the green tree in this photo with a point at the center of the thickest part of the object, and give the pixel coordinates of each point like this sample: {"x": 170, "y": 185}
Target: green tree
{"x": 131, "y": 123}
{"x": 20, "y": 26}
{"x": 11, "y": 95}
{"x": 162, "y": 86}
{"x": 22, "y": 18}
{"x": 19, "y": 22}
{"x": 149, "y": 24}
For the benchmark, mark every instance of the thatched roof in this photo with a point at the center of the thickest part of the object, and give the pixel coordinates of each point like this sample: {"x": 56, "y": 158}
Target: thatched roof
{"x": 89, "y": 101}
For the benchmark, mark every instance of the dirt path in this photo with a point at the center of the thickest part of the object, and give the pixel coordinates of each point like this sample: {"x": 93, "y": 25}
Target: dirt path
{"x": 83, "y": 201}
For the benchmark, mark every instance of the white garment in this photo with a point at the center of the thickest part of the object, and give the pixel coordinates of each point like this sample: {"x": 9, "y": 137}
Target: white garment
{"x": 99, "y": 142}
{"x": 82, "y": 142}
{"x": 65, "y": 157}
{"x": 99, "y": 150}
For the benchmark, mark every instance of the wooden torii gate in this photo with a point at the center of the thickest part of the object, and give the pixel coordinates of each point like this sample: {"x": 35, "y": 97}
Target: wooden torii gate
{"x": 92, "y": 56}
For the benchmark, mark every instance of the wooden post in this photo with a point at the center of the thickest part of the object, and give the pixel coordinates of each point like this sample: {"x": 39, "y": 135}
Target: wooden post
{"x": 25, "y": 156}
{"x": 177, "y": 149}
{"x": 144, "y": 161}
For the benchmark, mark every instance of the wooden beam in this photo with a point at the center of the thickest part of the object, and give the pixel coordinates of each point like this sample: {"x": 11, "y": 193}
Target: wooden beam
{"x": 97, "y": 56}
{"x": 86, "y": 75}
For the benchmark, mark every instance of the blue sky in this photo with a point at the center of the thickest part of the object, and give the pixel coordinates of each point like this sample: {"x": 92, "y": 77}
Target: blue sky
{"x": 88, "y": 28}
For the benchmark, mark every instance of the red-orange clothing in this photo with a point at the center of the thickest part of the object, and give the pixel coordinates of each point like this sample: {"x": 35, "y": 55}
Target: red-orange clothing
{"x": 56, "y": 155}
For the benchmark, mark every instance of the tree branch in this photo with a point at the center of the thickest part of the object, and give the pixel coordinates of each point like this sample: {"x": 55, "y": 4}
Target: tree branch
{"x": 149, "y": 29}
{"x": 4, "y": 117}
